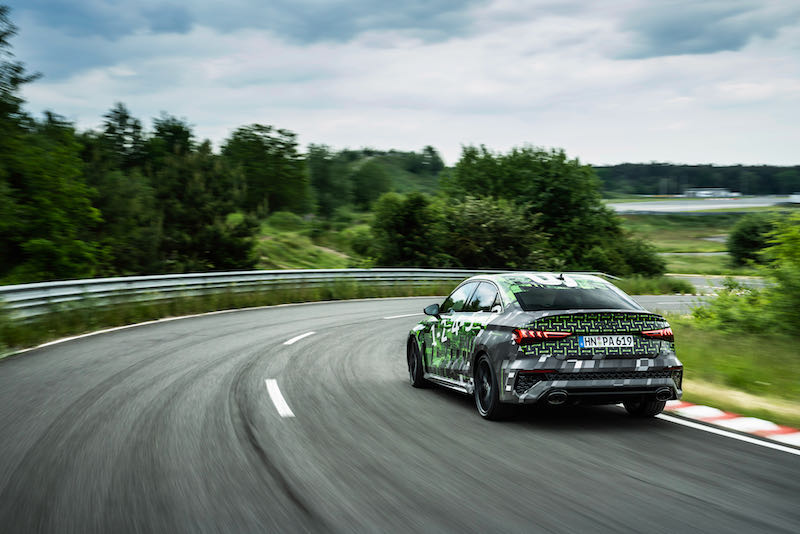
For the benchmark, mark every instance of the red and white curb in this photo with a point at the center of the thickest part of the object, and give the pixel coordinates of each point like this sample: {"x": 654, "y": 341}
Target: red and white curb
{"x": 735, "y": 422}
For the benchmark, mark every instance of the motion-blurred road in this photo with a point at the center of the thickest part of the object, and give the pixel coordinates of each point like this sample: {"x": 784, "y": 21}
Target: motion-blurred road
{"x": 170, "y": 427}
{"x": 695, "y": 204}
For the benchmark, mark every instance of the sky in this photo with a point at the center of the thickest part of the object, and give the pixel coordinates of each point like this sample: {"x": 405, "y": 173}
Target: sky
{"x": 680, "y": 81}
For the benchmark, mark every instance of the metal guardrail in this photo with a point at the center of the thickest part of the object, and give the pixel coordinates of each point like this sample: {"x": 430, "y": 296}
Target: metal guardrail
{"x": 29, "y": 300}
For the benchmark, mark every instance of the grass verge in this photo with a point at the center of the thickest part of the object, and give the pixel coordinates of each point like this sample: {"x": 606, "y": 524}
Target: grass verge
{"x": 706, "y": 265}
{"x": 76, "y": 319}
{"x": 728, "y": 370}
{"x": 670, "y": 232}
{"x": 660, "y": 285}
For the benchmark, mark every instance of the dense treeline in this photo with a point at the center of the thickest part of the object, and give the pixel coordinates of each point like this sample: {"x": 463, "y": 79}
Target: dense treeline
{"x": 669, "y": 179}
{"x": 127, "y": 199}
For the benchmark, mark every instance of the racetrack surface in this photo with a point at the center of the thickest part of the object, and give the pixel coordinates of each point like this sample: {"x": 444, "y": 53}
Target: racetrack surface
{"x": 169, "y": 427}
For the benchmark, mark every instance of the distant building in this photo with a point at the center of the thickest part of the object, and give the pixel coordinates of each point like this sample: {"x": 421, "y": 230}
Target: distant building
{"x": 709, "y": 192}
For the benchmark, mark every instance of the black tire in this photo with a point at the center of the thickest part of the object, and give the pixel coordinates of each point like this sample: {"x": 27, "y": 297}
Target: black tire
{"x": 487, "y": 391}
{"x": 644, "y": 408}
{"x": 415, "y": 369}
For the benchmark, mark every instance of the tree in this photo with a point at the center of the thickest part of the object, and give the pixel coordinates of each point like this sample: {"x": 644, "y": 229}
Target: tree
{"x": 330, "y": 179}
{"x": 483, "y": 233}
{"x": 49, "y": 228}
{"x": 408, "y": 231}
{"x": 274, "y": 174}
{"x": 748, "y": 237}
{"x": 370, "y": 181}
{"x": 123, "y": 137}
{"x": 46, "y": 216}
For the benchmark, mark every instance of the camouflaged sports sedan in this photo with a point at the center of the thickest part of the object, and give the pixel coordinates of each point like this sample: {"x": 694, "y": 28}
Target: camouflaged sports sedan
{"x": 521, "y": 338}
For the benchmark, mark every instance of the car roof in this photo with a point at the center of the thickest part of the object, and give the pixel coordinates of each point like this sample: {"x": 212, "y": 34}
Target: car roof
{"x": 543, "y": 278}
{"x": 515, "y": 282}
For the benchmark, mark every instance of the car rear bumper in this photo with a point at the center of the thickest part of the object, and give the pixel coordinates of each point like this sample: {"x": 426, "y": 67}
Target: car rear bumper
{"x": 595, "y": 386}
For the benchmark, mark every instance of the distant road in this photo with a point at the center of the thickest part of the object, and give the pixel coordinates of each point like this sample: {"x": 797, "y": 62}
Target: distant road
{"x": 675, "y": 205}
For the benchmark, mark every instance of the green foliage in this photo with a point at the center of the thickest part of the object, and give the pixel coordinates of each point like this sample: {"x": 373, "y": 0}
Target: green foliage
{"x": 359, "y": 239}
{"x": 408, "y": 231}
{"x": 47, "y": 228}
{"x": 659, "y": 285}
{"x": 286, "y": 220}
{"x": 484, "y": 233}
{"x": 749, "y": 237}
{"x": 776, "y": 307}
{"x": 370, "y": 181}
{"x": 273, "y": 174}
{"x": 563, "y": 197}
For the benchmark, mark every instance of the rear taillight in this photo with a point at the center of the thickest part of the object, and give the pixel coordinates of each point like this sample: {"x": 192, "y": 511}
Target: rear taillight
{"x": 522, "y": 336}
{"x": 664, "y": 334}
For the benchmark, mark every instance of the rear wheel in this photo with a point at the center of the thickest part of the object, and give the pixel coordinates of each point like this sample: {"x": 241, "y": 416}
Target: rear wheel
{"x": 415, "y": 370}
{"x": 487, "y": 391}
{"x": 644, "y": 408}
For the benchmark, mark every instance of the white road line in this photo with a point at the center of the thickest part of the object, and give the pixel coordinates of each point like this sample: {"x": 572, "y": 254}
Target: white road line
{"x": 713, "y": 430}
{"x": 399, "y": 316}
{"x": 277, "y": 398}
{"x": 298, "y": 338}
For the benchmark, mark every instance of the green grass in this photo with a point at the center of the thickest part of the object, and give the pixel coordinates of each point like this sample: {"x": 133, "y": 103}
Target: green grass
{"x": 284, "y": 242}
{"x": 662, "y": 285}
{"x": 766, "y": 366}
{"x": 681, "y": 233}
{"x": 761, "y": 365}
{"x": 81, "y": 318}
{"x": 293, "y": 250}
{"x": 719, "y": 265}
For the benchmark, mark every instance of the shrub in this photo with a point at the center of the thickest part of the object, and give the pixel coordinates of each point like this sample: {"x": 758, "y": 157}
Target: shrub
{"x": 748, "y": 238}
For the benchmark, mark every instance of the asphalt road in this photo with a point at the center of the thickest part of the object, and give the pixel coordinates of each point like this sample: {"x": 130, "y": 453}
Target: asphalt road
{"x": 170, "y": 427}
{"x": 676, "y": 205}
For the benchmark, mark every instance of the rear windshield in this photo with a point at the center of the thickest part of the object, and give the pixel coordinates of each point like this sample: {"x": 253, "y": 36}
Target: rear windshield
{"x": 573, "y": 298}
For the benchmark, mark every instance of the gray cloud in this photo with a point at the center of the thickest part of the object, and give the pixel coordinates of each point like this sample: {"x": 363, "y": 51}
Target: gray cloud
{"x": 63, "y": 37}
{"x": 680, "y": 27}
{"x": 303, "y": 21}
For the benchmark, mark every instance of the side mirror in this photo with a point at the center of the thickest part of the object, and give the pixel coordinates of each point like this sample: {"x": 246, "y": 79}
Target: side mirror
{"x": 433, "y": 309}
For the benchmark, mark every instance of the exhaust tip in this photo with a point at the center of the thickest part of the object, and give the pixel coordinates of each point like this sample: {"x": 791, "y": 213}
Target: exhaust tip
{"x": 664, "y": 394}
{"x": 557, "y": 398}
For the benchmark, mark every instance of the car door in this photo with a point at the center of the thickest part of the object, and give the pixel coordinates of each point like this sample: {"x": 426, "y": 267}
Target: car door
{"x": 483, "y": 305}
{"x": 444, "y": 332}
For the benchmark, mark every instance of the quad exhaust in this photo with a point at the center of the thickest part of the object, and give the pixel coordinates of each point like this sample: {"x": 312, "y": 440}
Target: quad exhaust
{"x": 557, "y": 397}
{"x": 664, "y": 394}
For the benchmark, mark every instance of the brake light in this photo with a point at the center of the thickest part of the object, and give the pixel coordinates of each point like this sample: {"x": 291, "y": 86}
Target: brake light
{"x": 522, "y": 336}
{"x": 664, "y": 334}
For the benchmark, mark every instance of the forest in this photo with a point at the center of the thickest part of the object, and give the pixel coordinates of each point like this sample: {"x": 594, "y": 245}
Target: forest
{"x": 671, "y": 179}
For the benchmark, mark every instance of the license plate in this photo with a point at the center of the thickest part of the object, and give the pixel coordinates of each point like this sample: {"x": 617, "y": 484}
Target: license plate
{"x": 602, "y": 342}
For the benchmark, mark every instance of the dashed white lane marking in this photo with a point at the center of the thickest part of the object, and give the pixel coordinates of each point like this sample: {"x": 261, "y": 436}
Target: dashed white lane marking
{"x": 719, "y": 431}
{"x": 399, "y": 316}
{"x": 298, "y": 338}
{"x": 277, "y": 398}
